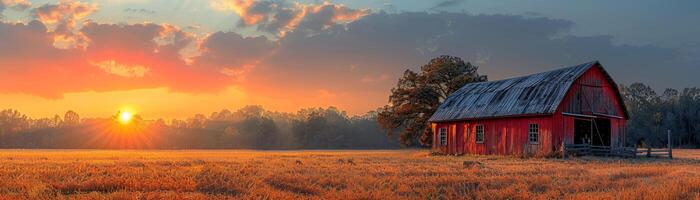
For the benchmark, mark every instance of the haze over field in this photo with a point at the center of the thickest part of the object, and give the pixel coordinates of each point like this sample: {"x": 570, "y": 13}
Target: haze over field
{"x": 177, "y": 58}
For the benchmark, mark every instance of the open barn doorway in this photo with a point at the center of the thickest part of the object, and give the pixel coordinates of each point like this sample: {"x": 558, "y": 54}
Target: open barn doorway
{"x": 592, "y": 131}
{"x": 582, "y": 131}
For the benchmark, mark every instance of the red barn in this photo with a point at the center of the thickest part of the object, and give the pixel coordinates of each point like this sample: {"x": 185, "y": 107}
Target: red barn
{"x": 532, "y": 115}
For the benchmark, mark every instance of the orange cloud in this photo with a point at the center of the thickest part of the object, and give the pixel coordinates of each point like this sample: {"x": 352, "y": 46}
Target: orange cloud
{"x": 242, "y": 7}
{"x": 63, "y": 18}
{"x": 172, "y": 35}
{"x": 234, "y": 55}
{"x": 64, "y": 12}
{"x": 119, "y": 57}
{"x": 280, "y": 17}
{"x": 14, "y": 4}
{"x": 341, "y": 13}
{"x": 113, "y": 67}
{"x": 238, "y": 74}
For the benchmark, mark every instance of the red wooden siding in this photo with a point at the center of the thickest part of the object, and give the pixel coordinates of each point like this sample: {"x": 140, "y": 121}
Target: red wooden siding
{"x": 503, "y": 137}
{"x": 591, "y": 94}
{"x": 592, "y": 90}
{"x": 606, "y": 102}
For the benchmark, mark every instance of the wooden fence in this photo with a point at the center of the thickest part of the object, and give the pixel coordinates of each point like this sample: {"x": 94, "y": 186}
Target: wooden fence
{"x": 593, "y": 150}
{"x": 626, "y": 152}
{"x": 649, "y": 152}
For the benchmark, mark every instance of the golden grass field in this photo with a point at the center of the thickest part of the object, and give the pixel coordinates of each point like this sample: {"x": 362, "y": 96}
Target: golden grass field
{"x": 401, "y": 174}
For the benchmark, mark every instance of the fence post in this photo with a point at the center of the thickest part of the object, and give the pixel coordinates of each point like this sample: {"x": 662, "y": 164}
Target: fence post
{"x": 563, "y": 150}
{"x": 670, "y": 148}
{"x": 648, "y": 152}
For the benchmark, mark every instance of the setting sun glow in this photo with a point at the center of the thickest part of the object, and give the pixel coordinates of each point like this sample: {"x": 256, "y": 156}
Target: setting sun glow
{"x": 125, "y": 117}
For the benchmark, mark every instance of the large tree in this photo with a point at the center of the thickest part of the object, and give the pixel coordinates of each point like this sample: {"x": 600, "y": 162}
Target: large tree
{"x": 417, "y": 96}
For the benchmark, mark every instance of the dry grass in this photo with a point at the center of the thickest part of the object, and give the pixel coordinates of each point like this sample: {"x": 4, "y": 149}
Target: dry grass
{"x": 406, "y": 174}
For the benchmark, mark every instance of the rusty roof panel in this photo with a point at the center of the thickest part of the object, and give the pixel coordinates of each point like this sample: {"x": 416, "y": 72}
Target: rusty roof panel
{"x": 527, "y": 95}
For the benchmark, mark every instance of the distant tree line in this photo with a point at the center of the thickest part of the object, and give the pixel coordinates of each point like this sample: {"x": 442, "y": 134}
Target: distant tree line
{"x": 250, "y": 127}
{"x": 253, "y": 127}
{"x": 651, "y": 115}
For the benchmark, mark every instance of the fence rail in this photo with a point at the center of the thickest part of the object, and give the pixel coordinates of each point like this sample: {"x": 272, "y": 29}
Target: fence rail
{"x": 649, "y": 152}
{"x": 627, "y": 152}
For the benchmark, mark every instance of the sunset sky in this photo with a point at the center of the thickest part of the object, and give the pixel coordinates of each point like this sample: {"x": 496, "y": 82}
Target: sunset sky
{"x": 175, "y": 58}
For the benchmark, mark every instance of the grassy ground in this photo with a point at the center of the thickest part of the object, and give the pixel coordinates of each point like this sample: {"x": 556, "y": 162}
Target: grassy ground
{"x": 78, "y": 174}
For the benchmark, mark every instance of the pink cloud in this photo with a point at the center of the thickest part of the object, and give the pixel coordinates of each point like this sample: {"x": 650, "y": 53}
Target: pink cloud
{"x": 113, "y": 67}
{"x": 63, "y": 17}
{"x": 14, "y": 4}
{"x": 280, "y": 17}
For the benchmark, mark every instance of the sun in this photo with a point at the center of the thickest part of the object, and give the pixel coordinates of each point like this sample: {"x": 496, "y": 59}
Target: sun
{"x": 125, "y": 117}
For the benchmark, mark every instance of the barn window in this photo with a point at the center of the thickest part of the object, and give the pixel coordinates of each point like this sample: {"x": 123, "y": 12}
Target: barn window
{"x": 443, "y": 136}
{"x": 534, "y": 133}
{"x": 479, "y": 133}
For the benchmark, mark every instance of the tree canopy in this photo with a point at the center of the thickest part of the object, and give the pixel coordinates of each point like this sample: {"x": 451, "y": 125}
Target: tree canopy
{"x": 417, "y": 96}
{"x": 651, "y": 115}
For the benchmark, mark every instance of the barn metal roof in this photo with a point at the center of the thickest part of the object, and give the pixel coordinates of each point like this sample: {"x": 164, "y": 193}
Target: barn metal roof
{"x": 527, "y": 95}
